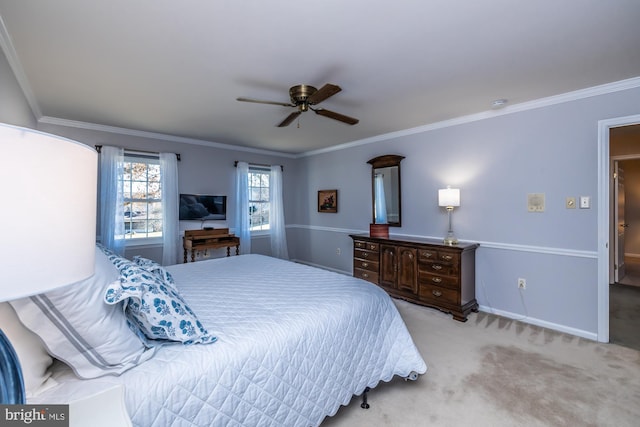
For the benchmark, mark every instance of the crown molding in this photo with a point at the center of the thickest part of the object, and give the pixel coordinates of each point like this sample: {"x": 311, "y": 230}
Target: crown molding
{"x": 604, "y": 89}
{"x": 6, "y": 45}
{"x": 155, "y": 135}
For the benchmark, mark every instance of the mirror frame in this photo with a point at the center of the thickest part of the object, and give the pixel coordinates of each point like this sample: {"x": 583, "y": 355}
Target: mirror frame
{"x": 385, "y": 161}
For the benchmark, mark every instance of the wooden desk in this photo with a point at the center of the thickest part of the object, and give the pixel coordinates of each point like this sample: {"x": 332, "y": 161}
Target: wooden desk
{"x": 199, "y": 240}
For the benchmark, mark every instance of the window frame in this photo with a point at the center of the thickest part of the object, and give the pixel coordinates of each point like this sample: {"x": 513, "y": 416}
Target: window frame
{"x": 131, "y": 156}
{"x": 258, "y": 169}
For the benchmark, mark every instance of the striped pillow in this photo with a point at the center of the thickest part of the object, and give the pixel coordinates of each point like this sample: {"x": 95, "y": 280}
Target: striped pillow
{"x": 77, "y": 327}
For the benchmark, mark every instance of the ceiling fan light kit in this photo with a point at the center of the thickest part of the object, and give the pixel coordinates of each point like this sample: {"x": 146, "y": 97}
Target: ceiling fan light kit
{"x": 303, "y": 97}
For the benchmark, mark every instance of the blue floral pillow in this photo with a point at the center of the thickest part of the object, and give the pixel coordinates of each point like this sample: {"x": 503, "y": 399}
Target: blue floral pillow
{"x": 156, "y": 269}
{"x": 154, "y": 308}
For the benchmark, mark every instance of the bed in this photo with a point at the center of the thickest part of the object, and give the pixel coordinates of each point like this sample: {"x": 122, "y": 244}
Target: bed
{"x": 286, "y": 345}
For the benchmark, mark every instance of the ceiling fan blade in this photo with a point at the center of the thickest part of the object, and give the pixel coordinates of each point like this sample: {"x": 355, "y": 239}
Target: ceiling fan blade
{"x": 323, "y": 93}
{"x": 336, "y": 116}
{"x": 259, "y": 101}
{"x": 289, "y": 119}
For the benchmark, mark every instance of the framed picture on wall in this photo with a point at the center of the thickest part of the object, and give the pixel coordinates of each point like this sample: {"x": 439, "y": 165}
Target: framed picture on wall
{"x": 328, "y": 201}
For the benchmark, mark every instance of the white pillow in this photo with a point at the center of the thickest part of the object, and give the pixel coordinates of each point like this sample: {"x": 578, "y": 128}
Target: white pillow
{"x": 80, "y": 329}
{"x": 33, "y": 357}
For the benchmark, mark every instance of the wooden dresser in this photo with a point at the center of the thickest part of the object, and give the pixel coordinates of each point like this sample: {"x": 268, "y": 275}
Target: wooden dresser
{"x": 422, "y": 271}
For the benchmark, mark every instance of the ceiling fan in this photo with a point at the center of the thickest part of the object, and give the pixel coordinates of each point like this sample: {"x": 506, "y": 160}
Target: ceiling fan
{"x": 304, "y": 97}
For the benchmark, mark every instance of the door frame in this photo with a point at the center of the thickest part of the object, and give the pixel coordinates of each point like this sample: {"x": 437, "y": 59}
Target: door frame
{"x": 614, "y": 259}
{"x": 604, "y": 225}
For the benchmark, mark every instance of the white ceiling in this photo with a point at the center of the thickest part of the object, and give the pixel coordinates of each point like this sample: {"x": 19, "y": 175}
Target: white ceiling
{"x": 176, "y": 67}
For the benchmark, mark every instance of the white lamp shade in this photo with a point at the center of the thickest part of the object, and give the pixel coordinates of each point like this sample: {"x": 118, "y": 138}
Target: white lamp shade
{"x": 449, "y": 197}
{"x": 48, "y": 186}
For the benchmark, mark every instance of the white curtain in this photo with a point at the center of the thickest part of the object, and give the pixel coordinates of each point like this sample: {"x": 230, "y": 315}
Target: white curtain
{"x": 380, "y": 207}
{"x": 276, "y": 215}
{"x": 242, "y": 207}
{"x": 111, "y": 199}
{"x": 170, "y": 223}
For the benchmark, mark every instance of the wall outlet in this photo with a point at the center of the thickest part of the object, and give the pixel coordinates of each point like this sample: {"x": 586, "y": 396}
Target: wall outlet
{"x": 522, "y": 283}
{"x": 338, "y": 251}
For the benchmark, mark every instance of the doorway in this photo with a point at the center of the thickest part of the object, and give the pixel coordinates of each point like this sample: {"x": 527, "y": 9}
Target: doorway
{"x": 624, "y": 291}
{"x": 609, "y": 131}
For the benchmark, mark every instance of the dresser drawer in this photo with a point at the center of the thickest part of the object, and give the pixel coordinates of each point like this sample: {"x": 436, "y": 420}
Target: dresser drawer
{"x": 445, "y": 257}
{"x": 437, "y": 280}
{"x": 439, "y": 294}
{"x": 364, "y": 264}
{"x": 371, "y": 276}
{"x": 438, "y": 268}
{"x": 369, "y": 246}
{"x": 366, "y": 255}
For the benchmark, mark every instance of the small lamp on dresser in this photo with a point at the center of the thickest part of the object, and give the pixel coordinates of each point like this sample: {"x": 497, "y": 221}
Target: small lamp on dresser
{"x": 449, "y": 198}
{"x": 48, "y": 225}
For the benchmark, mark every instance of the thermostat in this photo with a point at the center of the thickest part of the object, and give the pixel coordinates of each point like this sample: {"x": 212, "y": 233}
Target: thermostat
{"x": 535, "y": 202}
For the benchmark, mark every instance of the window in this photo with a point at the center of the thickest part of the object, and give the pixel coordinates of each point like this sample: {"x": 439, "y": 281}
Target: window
{"x": 258, "y": 198}
{"x": 142, "y": 196}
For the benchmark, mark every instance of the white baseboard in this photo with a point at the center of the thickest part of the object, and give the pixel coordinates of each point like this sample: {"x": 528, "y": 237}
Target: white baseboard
{"x": 515, "y": 316}
{"x": 542, "y": 323}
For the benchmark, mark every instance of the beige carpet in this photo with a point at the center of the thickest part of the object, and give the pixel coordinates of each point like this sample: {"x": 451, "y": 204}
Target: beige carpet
{"x": 492, "y": 371}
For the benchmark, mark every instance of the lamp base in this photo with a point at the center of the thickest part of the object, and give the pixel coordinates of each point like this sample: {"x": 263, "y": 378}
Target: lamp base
{"x": 450, "y": 240}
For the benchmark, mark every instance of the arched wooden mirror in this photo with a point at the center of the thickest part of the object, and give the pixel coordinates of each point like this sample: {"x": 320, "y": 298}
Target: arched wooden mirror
{"x": 385, "y": 185}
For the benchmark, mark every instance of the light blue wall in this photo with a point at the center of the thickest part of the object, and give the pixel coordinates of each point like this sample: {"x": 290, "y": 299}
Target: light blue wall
{"x": 495, "y": 162}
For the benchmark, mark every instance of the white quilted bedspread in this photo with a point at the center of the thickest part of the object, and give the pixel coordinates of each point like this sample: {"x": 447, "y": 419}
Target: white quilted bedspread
{"x": 294, "y": 343}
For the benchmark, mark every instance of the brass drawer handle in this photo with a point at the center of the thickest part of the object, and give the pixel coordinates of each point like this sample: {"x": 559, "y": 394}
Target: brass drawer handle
{"x": 364, "y": 255}
{"x": 436, "y": 293}
{"x": 426, "y": 254}
{"x": 365, "y": 275}
{"x": 447, "y": 257}
{"x": 373, "y": 247}
{"x": 365, "y": 264}
{"x": 436, "y": 267}
{"x": 437, "y": 279}
{"x": 359, "y": 244}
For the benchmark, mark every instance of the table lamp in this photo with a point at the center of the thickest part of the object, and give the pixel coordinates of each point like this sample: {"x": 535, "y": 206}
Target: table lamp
{"x": 48, "y": 187}
{"x": 449, "y": 198}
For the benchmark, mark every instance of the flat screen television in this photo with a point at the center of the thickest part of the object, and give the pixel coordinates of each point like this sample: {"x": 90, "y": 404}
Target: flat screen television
{"x": 203, "y": 208}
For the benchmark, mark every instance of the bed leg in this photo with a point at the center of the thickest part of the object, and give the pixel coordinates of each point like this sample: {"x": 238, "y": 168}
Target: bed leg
{"x": 364, "y": 404}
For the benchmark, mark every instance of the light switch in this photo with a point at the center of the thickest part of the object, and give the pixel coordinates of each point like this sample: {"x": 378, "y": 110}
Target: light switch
{"x": 571, "y": 203}
{"x": 585, "y": 202}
